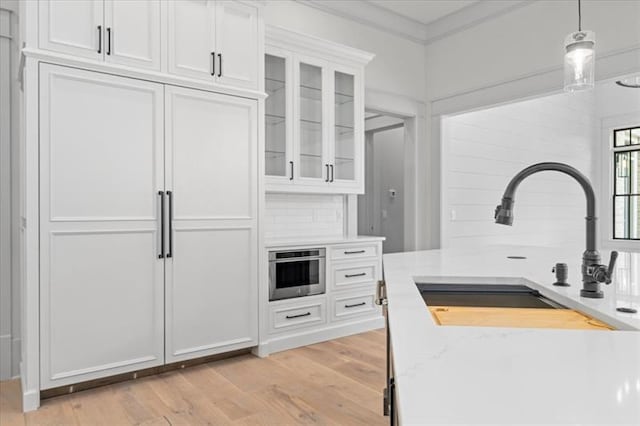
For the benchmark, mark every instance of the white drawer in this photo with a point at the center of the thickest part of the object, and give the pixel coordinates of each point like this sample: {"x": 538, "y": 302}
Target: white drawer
{"x": 347, "y": 306}
{"x": 297, "y": 315}
{"x": 347, "y": 275}
{"x": 354, "y": 252}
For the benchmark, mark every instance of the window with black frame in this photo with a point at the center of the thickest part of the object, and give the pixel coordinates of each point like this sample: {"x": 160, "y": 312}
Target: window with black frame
{"x": 626, "y": 184}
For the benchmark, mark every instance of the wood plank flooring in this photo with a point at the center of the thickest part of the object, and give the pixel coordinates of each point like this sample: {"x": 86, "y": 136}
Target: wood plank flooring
{"x": 335, "y": 382}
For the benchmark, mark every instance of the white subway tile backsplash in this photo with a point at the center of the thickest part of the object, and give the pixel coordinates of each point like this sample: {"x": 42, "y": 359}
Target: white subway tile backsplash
{"x": 303, "y": 215}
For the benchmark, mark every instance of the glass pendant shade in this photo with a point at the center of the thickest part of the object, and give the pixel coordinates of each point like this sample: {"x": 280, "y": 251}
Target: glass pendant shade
{"x": 579, "y": 61}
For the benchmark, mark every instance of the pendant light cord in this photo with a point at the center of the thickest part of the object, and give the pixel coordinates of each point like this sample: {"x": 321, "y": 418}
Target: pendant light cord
{"x": 579, "y": 17}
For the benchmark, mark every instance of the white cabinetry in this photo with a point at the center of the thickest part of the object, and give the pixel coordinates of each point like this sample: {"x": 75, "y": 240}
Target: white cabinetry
{"x": 101, "y": 283}
{"x": 314, "y": 136}
{"x": 217, "y": 41}
{"x": 74, "y": 27}
{"x": 122, "y": 32}
{"x": 132, "y": 34}
{"x": 148, "y": 232}
{"x": 211, "y": 285}
{"x": 347, "y": 306}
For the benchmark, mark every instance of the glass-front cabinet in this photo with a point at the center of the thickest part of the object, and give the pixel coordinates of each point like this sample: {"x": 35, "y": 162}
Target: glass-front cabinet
{"x": 314, "y": 115}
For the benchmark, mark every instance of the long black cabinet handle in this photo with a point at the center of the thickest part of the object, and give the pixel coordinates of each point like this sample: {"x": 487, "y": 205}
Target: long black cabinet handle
{"x": 361, "y": 274}
{"x": 291, "y": 164}
{"x": 306, "y": 314}
{"x": 99, "y": 38}
{"x": 161, "y": 254}
{"x": 108, "y": 40}
{"x": 355, "y": 252}
{"x": 170, "y": 196}
{"x": 220, "y": 65}
{"x": 327, "y": 178}
{"x": 213, "y": 64}
{"x": 331, "y": 165}
{"x": 355, "y": 304}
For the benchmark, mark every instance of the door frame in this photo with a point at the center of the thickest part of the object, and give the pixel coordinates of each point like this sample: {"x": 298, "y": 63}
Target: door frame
{"x": 413, "y": 114}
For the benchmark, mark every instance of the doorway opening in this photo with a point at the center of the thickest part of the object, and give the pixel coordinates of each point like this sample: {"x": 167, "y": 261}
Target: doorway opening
{"x": 381, "y": 209}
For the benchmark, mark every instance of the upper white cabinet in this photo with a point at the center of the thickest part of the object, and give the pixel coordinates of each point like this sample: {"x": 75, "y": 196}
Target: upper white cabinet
{"x": 216, "y": 41}
{"x": 314, "y": 114}
{"x": 73, "y": 27}
{"x": 209, "y": 40}
{"x": 237, "y": 44}
{"x": 132, "y": 34}
{"x": 121, "y": 32}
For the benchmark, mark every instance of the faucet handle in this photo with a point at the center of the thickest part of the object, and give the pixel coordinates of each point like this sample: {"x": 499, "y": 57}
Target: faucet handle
{"x": 603, "y": 273}
{"x": 612, "y": 265}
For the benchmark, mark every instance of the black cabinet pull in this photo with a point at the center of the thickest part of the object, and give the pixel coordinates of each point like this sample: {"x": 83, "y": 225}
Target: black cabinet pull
{"x": 99, "y": 38}
{"x": 291, "y": 164}
{"x": 108, "y": 40}
{"x": 161, "y": 254}
{"x": 361, "y": 274}
{"x": 220, "y": 65}
{"x": 331, "y": 166}
{"x": 327, "y": 178}
{"x": 170, "y": 252}
{"x": 355, "y": 304}
{"x": 355, "y": 252}
{"x": 213, "y": 64}
{"x": 306, "y": 314}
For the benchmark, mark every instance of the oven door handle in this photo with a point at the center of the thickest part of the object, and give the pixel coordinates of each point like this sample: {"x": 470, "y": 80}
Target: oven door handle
{"x": 296, "y": 259}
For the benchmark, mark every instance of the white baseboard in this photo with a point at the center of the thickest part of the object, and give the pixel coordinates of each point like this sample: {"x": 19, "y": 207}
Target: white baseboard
{"x": 309, "y": 337}
{"x": 30, "y": 397}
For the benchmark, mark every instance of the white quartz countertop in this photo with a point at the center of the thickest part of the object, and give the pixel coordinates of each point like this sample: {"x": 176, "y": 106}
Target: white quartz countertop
{"x": 490, "y": 375}
{"x": 319, "y": 241}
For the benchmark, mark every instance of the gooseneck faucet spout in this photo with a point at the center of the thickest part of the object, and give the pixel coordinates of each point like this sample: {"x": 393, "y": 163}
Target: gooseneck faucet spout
{"x": 592, "y": 272}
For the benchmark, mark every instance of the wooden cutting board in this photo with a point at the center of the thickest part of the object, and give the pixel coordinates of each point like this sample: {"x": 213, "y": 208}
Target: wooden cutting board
{"x": 515, "y": 317}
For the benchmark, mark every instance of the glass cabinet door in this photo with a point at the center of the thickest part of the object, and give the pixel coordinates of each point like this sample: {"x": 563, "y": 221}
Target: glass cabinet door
{"x": 310, "y": 121}
{"x": 276, "y": 144}
{"x": 344, "y": 126}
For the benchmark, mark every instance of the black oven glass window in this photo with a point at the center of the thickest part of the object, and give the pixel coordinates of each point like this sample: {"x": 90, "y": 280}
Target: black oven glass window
{"x": 294, "y": 274}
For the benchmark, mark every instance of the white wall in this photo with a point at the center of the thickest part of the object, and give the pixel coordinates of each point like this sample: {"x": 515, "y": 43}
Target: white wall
{"x": 514, "y": 56}
{"x": 525, "y": 41}
{"x": 483, "y": 150}
{"x": 9, "y": 207}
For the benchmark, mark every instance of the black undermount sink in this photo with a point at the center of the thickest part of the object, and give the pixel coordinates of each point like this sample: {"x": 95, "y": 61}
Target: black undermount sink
{"x": 484, "y": 295}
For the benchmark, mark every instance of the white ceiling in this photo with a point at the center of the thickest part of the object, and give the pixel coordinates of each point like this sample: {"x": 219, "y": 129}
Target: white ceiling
{"x": 423, "y": 11}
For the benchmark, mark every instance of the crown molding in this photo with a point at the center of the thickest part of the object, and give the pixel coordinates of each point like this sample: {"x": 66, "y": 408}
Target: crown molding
{"x": 380, "y": 18}
{"x": 283, "y": 37}
{"x": 372, "y": 15}
{"x": 469, "y": 17}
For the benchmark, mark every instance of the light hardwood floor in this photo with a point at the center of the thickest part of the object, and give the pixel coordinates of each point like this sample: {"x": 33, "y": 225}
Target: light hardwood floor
{"x": 335, "y": 382}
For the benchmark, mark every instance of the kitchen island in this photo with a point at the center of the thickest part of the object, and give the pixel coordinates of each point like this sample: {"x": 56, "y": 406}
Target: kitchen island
{"x": 491, "y": 375}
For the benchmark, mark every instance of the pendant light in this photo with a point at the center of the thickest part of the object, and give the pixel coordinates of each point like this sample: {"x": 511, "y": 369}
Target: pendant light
{"x": 579, "y": 58}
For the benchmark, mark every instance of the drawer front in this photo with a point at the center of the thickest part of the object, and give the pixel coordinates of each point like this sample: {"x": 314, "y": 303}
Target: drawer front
{"x": 287, "y": 317}
{"x": 347, "y": 306}
{"x": 354, "y": 252}
{"x": 347, "y": 275}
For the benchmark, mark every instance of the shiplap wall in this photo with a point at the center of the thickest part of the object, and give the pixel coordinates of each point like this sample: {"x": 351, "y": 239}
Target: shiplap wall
{"x": 483, "y": 150}
{"x": 303, "y": 215}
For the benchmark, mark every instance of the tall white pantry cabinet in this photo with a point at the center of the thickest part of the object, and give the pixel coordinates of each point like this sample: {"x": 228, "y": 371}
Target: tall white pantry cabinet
{"x": 141, "y": 183}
